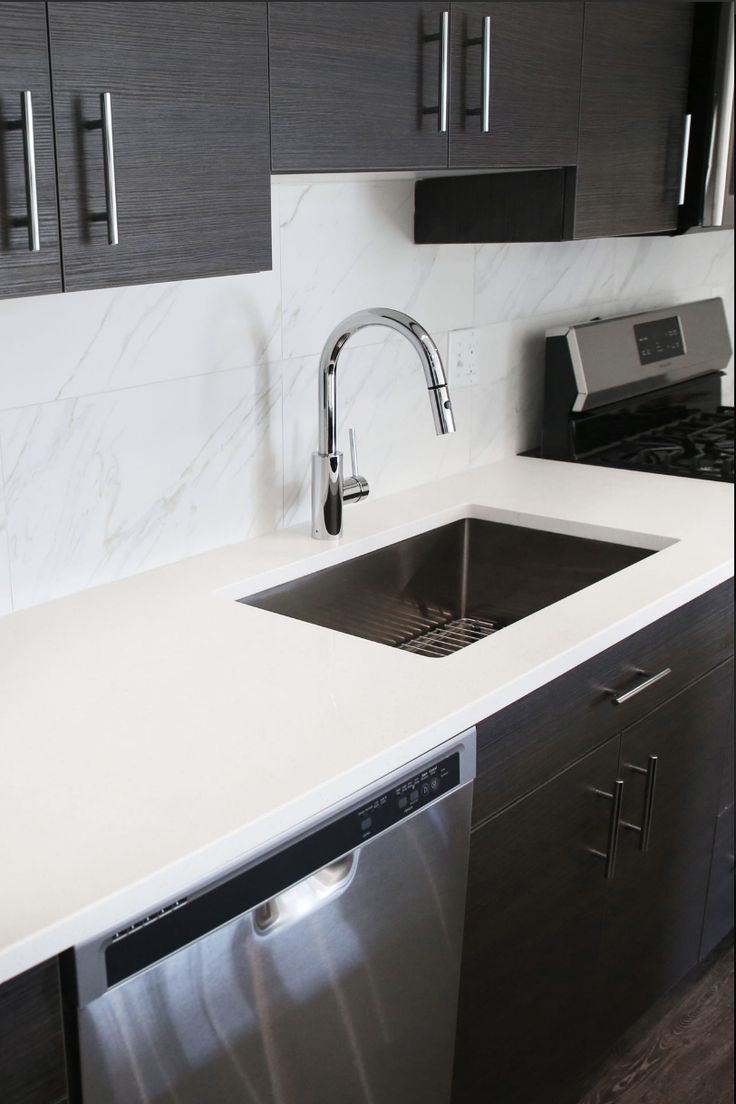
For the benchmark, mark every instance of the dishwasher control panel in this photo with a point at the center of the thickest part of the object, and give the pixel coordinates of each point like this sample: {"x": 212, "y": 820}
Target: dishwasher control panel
{"x": 407, "y": 798}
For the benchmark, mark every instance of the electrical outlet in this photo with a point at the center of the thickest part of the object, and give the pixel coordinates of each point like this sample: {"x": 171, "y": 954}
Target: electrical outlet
{"x": 463, "y": 358}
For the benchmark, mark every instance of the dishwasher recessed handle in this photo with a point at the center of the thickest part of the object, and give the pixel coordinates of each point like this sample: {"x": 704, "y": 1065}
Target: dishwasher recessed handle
{"x": 305, "y": 897}
{"x": 642, "y": 682}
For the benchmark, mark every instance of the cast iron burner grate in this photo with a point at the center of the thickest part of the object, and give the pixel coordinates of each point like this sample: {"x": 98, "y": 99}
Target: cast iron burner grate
{"x": 443, "y": 640}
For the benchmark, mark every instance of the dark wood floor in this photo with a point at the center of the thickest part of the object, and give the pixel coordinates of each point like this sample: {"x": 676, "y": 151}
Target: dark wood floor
{"x": 683, "y": 1051}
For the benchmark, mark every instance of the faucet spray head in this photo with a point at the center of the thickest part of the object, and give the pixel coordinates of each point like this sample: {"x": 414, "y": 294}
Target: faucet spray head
{"x": 444, "y": 419}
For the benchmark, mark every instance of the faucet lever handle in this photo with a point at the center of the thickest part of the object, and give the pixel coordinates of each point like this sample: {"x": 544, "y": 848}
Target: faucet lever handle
{"x": 356, "y": 487}
{"x": 353, "y": 451}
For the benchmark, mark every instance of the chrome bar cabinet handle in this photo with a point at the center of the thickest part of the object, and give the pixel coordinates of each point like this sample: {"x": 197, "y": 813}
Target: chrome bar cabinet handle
{"x": 645, "y": 828}
{"x": 443, "y": 37}
{"x": 444, "y": 71}
{"x": 685, "y": 155}
{"x": 643, "y": 682}
{"x": 29, "y": 157}
{"x": 610, "y": 855}
{"x": 485, "y": 119}
{"x": 108, "y": 151}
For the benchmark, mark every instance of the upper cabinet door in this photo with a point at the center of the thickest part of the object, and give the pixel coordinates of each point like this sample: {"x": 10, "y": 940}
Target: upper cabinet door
{"x": 357, "y": 86}
{"x": 29, "y": 229}
{"x": 515, "y": 84}
{"x": 161, "y": 113}
{"x": 636, "y": 60}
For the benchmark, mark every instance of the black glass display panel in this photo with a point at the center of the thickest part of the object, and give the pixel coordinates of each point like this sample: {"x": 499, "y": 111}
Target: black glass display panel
{"x": 175, "y": 926}
{"x": 659, "y": 340}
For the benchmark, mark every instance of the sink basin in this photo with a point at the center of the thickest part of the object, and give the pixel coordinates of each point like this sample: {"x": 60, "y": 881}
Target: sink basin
{"x": 449, "y": 587}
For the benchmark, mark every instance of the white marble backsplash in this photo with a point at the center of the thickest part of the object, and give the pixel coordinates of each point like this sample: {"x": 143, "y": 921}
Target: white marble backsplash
{"x": 143, "y": 424}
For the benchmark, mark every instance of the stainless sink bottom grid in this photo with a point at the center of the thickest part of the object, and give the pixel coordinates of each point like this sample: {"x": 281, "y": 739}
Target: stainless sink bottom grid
{"x": 443, "y": 640}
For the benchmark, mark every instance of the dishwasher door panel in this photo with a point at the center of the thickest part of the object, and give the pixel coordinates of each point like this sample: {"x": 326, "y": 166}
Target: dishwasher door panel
{"x": 343, "y": 992}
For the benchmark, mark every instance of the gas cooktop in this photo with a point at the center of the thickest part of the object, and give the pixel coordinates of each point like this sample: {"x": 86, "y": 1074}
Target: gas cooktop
{"x": 700, "y": 444}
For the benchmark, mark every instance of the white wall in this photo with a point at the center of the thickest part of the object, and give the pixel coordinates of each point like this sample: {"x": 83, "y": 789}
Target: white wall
{"x": 145, "y": 424}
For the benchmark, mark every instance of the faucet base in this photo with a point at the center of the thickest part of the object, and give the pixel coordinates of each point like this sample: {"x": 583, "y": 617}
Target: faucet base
{"x": 326, "y": 495}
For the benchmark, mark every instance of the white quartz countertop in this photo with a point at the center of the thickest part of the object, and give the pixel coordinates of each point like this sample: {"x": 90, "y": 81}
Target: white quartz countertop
{"x": 154, "y": 731}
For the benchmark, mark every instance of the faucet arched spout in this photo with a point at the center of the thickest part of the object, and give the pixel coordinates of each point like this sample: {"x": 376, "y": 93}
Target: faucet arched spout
{"x": 329, "y": 490}
{"x": 416, "y": 335}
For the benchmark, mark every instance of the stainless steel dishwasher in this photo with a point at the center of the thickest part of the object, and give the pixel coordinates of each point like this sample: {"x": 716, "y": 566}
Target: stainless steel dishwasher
{"x": 324, "y": 972}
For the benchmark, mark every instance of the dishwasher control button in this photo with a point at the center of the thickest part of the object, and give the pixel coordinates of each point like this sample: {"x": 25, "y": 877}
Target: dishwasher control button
{"x": 403, "y": 802}
{"x": 434, "y": 785}
{"x": 366, "y": 823}
{"x": 425, "y": 789}
{"x": 414, "y": 796}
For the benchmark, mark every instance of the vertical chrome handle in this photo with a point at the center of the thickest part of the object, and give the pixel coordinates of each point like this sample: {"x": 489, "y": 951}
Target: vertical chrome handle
{"x": 685, "y": 155}
{"x": 29, "y": 157}
{"x": 485, "y": 118}
{"x": 444, "y": 71}
{"x": 108, "y": 152}
{"x": 610, "y": 855}
{"x": 645, "y": 828}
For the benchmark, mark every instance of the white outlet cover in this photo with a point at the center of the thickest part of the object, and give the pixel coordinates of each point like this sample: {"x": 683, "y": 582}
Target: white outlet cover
{"x": 463, "y": 358}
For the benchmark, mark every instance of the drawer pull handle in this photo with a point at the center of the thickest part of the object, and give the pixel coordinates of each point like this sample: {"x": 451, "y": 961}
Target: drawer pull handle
{"x": 643, "y": 682}
{"x": 609, "y": 856}
{"x": 645, "y": 829}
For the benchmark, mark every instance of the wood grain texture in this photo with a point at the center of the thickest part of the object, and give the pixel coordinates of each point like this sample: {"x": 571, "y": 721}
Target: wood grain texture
{"x": 525, "y": 744}
{"x": 656, "y": 905}
{"x": 682, "y": 1051}
{"x": 349, "y": 82}
{"x": 636, "y": 59}
{"x": 535, "y": 84}
{"x": 24, "y": 65}
{"x": 189, "y": 89}
{"x": 718, "y": 921}
{"x": 31, "y": 1042}
{"x": 536, "y": 901}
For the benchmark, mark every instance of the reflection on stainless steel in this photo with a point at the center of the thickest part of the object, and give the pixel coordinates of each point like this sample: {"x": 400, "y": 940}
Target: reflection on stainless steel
{"x": 329, "y": 489}
{"x": 448, "y": 588}
{"x": 353, "y": 1004}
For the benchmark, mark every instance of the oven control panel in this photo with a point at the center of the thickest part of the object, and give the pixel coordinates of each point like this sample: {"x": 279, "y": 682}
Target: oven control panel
{"x": 659, "y": 340}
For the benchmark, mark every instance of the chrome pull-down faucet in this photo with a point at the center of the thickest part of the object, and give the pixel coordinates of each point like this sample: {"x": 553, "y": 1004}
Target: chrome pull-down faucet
{"x": 329, "y": 489}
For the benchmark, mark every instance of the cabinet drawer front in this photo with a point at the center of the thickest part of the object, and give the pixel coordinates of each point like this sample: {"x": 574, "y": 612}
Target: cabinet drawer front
{"x": 530, "y": 741}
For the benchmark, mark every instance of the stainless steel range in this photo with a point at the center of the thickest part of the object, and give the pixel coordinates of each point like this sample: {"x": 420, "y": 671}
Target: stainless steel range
{"x": 642, "y": 391}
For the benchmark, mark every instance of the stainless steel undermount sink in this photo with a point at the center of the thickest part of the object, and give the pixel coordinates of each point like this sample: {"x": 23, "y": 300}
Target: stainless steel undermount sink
{"x": 449, "y": 587}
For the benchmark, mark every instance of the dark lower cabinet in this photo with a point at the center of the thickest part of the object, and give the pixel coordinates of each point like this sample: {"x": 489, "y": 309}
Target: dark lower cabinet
{"x": 32, "y": 1066}
{"x": 536, "y": 904}
{"x": 565, "y": 949}
{"x": 633, "y": 100}
{"x": 530, "y": 90}
{"x": 27, "y": 267}
{"x": 186, "y": 134}
{"x": 657, "y": 901}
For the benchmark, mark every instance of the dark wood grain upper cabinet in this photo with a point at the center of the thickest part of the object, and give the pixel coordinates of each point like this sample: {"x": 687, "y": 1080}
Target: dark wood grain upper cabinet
{"x": 535, "y": 910}
{"x": 636, "y": 61}
{"x": 657, "y": 901}
{"x": 531, "y": 87}
{"x": 355, "y": 86}
{"x": 188, "y": 98}
{"x": 27, "y": 266}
